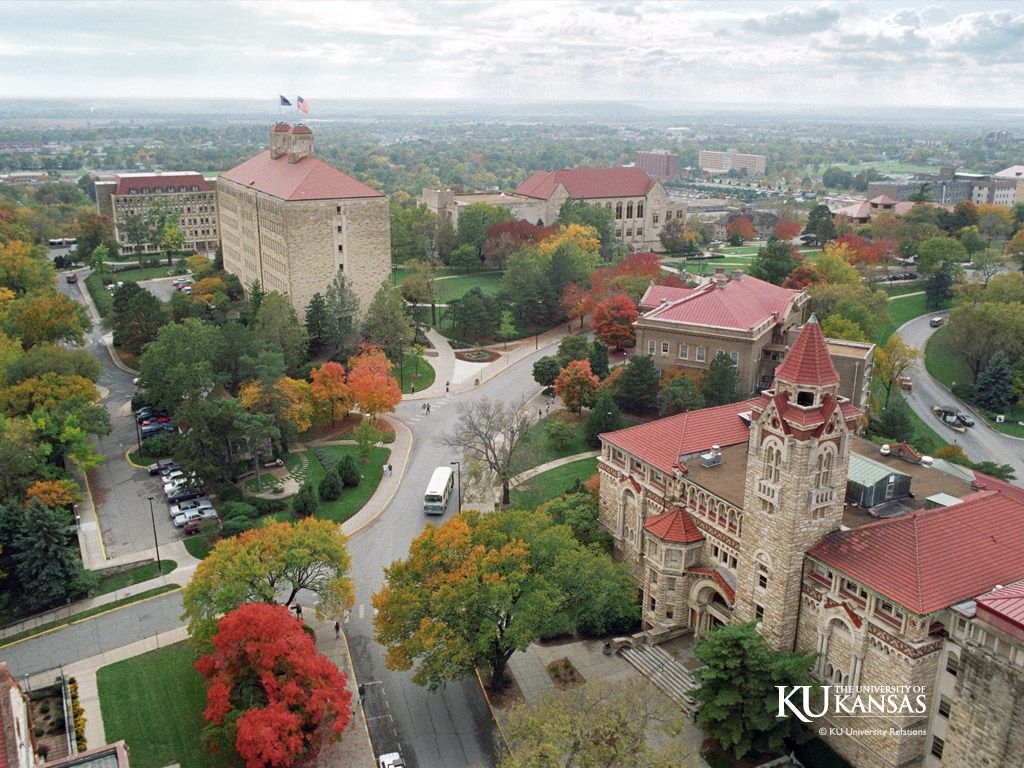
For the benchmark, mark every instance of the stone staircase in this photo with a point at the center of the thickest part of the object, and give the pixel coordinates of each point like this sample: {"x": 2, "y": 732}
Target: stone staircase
{"x": 667, "y": 674}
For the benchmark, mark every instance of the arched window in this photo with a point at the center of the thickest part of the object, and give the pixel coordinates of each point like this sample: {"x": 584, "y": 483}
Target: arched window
{"x": 629, "y": 210}
{"x": 763, "y": 569}
{"x": 772, "y": 462}
{"x": 640, "y": 210}
{"x": 823, "y": 477}
{"x": 618, "y": 210}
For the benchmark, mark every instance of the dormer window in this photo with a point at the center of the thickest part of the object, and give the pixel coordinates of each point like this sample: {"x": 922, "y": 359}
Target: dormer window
{"x": 805, "y": 398}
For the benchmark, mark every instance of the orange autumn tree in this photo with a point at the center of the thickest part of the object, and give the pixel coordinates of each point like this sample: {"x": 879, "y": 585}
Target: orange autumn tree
{"x": 296, "y": 402}
{"x": 576, "y": 385}
{"x": 373, "y": 387}
{"x": 786, "y": 229}
{"x": 54, "y": 493}
{"x": 613, "y": 320}
{"x": 331, "y": 392}
{"x": 740, "y": 229}
{"x": 269, "y": 693}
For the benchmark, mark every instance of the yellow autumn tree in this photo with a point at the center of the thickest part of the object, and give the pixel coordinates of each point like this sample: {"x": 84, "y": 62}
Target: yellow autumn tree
{"x": 297, "y": 402}
{"x": 583, "y": 237}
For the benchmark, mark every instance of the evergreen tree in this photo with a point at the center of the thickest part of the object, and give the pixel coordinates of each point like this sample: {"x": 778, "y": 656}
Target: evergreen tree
{"x": 637, "y": 389}
{"x": 573, "y": 348}
{"x": 342, "y": 306}
{"x": 598, "y": 358}
{"x": 819, "y": 224}
{"x": 305, "y": 503}
{"x": 680, "y": 396}
{"x": 48, "y": 569}
{"x": 331, "y": 485}
{"x": 316, "y": 322}
{"x": 774, "y": 261}
{"x": 348, "y": 470}
{"x": 719, "y": 385}
{"x": 604, "y": 417}
{"x": 939, "y": 286}
{"x": 738, "y": 697}
{"x": 894, "y": 421}
{"x": 993, "y": 389}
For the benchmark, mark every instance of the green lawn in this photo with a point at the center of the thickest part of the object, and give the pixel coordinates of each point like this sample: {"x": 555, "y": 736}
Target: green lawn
{"x": 131, "y": 576}
{"x": 352, "y": 499}
{"x": 906, "y": 308}
{"x": 547, "y": 485}
{"x": 456, "y": 287}
{"x": 415, "y": 370}
{"x": 537, "y": 449}
{"x": 155, "y": 703}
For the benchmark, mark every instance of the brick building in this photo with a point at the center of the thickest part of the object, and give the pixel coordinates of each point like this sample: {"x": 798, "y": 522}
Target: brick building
{"x": 713, "y": 161}
{"x": 736, "y": 513}
{"x": 189, "y": 194}
{"x": 658, "y": 164}
{"x": 290, "y": 222}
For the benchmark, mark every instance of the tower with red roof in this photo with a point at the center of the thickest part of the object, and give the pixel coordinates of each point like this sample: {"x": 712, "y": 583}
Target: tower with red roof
{"x": 797, "y": 460}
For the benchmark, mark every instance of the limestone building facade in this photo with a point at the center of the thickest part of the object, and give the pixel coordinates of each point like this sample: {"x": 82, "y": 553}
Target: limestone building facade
{"x": 290, "y": 222}
{"x": 188, "y": 193}
{"x": 736, "y": 513}
{"x": 714, "y": 161}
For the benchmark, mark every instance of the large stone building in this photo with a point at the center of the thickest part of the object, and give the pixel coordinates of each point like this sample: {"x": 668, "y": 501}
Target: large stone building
{"x": 736, "y": 513}
{"x": 189, "y": 194}
{"x": 290, "y": 222}
{"x": 750, "y": 320}
{"x": 638, "y": 203}
{"x": 658, "y": 164}
{"x": 948, "y": 188}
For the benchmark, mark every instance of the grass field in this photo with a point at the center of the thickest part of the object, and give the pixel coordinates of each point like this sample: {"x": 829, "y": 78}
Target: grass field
{"x": 538, "y": 449}
{"x": 456, "y": 287}
{"x": 352, "y": 499}
{"x": 155, "y": 703}
{"x": 547, "y": 485}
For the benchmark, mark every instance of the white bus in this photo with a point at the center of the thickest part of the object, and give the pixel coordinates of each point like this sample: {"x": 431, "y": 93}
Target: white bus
{"x": 435, "y": 500}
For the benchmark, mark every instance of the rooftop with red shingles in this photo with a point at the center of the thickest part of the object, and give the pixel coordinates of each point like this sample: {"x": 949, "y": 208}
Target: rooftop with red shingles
{"x": 170, "y": 182}
{"x": 808, "y": 361}
{"x": 1007, "y": 603}
{"x": 306, "y": 179}
{"x": 676, "y": 526}
{"x": 588, "y": 183}
{"x": 928, "y": 560}
{"x": 740, "y": 303}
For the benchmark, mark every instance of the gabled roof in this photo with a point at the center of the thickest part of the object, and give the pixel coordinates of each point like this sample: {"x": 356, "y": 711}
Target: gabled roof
{"x": 1013, "y": 172}
{"x": 676, "y": 526}
{"x": 588, "y": 183}
{"x": 882, "y": 200}
{"x": 928, "y": 560}
{"x": 808, "y": 361}
{"x": 168, "y": 182}
{"x": 737, "y": 303}
{"x": 1006, "y": 602}
{"x": 306, "y": 179}
{"x": 661, "y": 443}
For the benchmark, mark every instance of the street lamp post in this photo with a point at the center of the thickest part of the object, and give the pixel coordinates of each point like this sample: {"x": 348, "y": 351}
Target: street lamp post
{"x": 156, "y": 544}
{"x": 458, "y": 466}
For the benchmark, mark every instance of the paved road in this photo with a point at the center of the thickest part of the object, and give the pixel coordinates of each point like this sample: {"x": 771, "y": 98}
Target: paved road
{"x": 981, "y": 442}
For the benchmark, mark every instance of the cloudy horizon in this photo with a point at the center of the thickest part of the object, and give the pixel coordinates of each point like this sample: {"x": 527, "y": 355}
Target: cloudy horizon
{"x": 757, "y": 54}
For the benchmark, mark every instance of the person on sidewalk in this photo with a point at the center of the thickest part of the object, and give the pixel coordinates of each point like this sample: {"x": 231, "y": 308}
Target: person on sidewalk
{"x": 337, "y": 630}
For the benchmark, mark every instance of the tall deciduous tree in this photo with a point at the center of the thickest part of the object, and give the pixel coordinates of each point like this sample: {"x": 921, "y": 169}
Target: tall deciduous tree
{"x": 474, "y": 222}
{"x": 576, "y": 385}
{"x": 269, "y": 693}
{"x": 613, "y": 320}
{"x": 819, "y": 224}
{"x": 739, "y": 230}
{"x": 892, "y": 361}
{"x": 46, "y": 317}
{"x": 387, "y": 323}
{"x": 774, "y": 261}
{"x": 270, "y": 565}
{"x": 331, "y": 390}
{"x": 373, "y": 387}
{"x": 597, "y": 724}
{"x": 738, "y": 697}
{"x": 681, "y": 395}
{"x": 490, "y": 433}
{"x": 278, "y": 325}
{"x": 478, "y": 588}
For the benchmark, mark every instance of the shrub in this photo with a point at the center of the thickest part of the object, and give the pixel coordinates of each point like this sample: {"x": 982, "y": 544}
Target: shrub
{"x": 331, "y": 486}
{"x": 268, "y": 506}
{"x": 558, "y": 433}
{"x": 38, "y": 731}
{"x": 348, "y": 471}
{"x": 305, "y": 503}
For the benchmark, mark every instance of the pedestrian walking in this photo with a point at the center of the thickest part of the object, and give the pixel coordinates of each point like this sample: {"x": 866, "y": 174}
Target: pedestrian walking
{"x": 362, "y": 693}
{"x": 390, "y": 470}
{"x": 540, "y": 414}
{"x": 337, "y": 630}
{"x": 446, "y": 387}
{"x": 386, "y": 469}
{"x": 547, "y": 408}
{"x": 412, "y": 389}
{"x": 423, "y": 407}
{"x": 428, "y": 409}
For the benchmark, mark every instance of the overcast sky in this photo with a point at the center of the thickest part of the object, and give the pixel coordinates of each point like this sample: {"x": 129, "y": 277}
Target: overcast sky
{"x": 876, "y": 52}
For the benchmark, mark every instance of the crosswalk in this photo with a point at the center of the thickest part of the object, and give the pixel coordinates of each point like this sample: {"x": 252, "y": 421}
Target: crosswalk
{"x": 421, "y": 412}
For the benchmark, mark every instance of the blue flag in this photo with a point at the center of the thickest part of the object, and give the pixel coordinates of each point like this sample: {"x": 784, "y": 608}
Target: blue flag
{"x": 285, "y": 102}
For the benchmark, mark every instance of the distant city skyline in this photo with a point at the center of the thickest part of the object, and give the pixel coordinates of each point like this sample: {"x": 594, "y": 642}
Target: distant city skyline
{"x": 843, "y": 54}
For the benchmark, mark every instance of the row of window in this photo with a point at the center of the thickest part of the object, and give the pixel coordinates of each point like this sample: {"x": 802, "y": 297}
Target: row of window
{"x": 629, "y": 209}
{"x": 160, "y": 190}
{"x": 629, "y": 232}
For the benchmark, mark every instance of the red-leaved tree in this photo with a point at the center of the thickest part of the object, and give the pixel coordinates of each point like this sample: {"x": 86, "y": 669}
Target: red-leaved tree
{"x": 268, "y": 690}
{"x": 613, "y": 320}
{"x": 331, "y": 391}
{"x": 372, "y": 385}
{"x": 577, "y": 385}
{"x": 787, "y": 229}
{"x": 741, "y": 228}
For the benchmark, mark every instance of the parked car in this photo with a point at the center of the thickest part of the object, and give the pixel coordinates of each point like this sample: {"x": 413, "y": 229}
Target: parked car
{"x": 935, "y": 322}
{"x": 206, "y": 513}
{"x": 71, "y": 277}
{"x": 965, "y": 419}
{"x": 179, "y": 281}
{"x": 169, "y": 469}
{"x": 150, "y": 430}
{"x": 157, "y": 467}
{"x": 187, "y": 506}
{"x": 173, "y": 478}
{"x": 193, "y": 527}
{"x": 906, "y": 383}
{"x": 147, "y": 412}
{"x": 183, "y": 493}
{"x": 180, "y": 481}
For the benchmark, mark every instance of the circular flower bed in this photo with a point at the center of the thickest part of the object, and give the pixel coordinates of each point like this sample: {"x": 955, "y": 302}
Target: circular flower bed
{"x": 477, "y": 355}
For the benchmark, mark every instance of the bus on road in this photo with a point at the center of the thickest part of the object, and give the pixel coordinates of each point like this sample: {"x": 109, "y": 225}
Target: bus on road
{"x": 439, "y": 489}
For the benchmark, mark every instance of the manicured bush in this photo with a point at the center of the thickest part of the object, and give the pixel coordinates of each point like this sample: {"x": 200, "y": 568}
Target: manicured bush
{"x": 331, "y": 486}
{"x": 348, "y": 471}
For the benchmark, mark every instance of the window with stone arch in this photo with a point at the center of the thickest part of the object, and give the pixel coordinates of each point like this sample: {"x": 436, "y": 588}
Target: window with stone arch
{"x": 631, "y": 523}
{"x": 762, "y": 567}
{"x": 640, "y": 209}
{"x": 772, "y": 461}
{"x": 629, "y": 210}
{"x": 618, "y": 210}
{"x": 823, "y": 472}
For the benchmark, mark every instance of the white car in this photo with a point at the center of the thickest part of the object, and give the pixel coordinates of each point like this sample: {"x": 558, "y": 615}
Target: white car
{"x": 390, "y": 760}
{"x": 206, "y": 513}
{"x": 185, "y": 506}
{"x": 177, "y": 481}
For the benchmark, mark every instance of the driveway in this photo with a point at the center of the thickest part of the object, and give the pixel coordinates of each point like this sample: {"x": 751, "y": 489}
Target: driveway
{"x": 981, "y": 442}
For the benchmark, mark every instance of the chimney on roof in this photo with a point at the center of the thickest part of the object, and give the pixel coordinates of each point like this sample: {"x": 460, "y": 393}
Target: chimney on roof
{"x": 720, "y": 278}
{"x": 300, "y": 143}
{"x": 279, "y": 140}
{"x": 737, "y": 274}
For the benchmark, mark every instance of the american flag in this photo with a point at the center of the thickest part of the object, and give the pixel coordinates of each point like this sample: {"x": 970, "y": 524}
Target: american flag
{"x": 302, "y": 105}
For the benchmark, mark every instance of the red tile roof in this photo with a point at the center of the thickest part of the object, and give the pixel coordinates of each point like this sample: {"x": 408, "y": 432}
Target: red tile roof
{"x": 169, "y": 182}
{"x": 808, "y": 361}
{"x": 882, "y": 200}
{"x": 730, "y": 593}
{"x": 738, "y": 304}
{"x": 660, "y": 443}
{"x": 931, "y": 559}
{"x": 676, "y": 526}
{"x": 655, "y": 294}
{"x": 307, "y": 179}
{"x": 1006, "y": 603}
{"x": 588, "y": 183}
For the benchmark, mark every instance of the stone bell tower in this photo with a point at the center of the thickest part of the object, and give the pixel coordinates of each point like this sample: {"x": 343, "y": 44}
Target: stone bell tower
{"x": 797, "y": 462}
